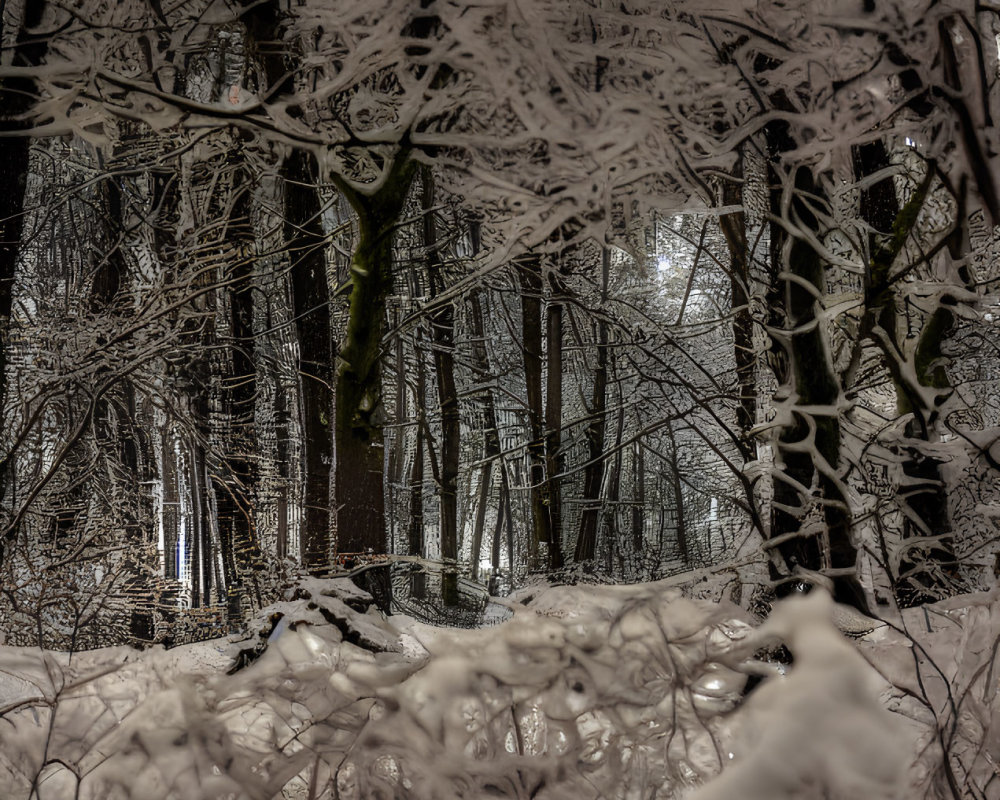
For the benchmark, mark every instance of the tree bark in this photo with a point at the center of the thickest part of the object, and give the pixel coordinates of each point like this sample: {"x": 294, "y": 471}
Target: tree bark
{"x": 491, "y": 433}
{"x": 614, "y": 481}
{"x": 678, "y": 487}
{"x": 397, "y": 453}
{"x": 358, "y": 433}
{"x": 924, "y": 575}
{"x": 416, "y": 477}
{"x": 442, "y": 322}
{"x": 593, "y": 474}
{"x": 734, "y": 230}
{"x": 808, "y": 444}
{"x": 529, "y": 274}
{"x": 553, "y": 416}
{"x": 16, "y": 97}
{"x": 639, "y": 503}
{"x": 310, "y": 293}
{"x": 233, "y": 475}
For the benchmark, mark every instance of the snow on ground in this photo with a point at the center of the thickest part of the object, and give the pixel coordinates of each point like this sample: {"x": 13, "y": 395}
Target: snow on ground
{"x": 586, "y": 692}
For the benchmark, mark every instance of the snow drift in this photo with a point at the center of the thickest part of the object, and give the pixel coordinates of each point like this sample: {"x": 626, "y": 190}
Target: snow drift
{"x": 586, "y": 692}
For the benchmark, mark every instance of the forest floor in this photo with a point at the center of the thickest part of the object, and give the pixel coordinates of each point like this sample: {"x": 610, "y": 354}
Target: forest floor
{"x": 587, "y": 691}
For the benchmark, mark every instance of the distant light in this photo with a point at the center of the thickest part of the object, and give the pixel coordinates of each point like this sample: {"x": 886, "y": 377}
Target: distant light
{"x": 910, "y": 142}
{"x": 663, "y": 264}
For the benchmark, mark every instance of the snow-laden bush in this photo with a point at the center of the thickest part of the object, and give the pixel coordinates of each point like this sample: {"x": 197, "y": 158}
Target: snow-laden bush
{"x": 586, "y": 692}
{"x": 819, "y": 730}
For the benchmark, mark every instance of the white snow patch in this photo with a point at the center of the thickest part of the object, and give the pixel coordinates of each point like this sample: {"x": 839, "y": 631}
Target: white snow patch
{"x": 587, "y": 692}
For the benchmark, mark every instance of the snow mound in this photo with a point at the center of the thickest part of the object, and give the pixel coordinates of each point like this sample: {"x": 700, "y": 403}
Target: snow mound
{"x": 818, "y": 731}
{"x": 586, "y": 692}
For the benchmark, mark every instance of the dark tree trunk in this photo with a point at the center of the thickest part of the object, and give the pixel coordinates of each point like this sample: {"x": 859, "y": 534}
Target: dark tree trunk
{"x": 923, "y": 575}
{"x": 614, "y": 480}
{"x": 639, "y": 503}
{"x": 234, "y": 482}
{"x": 442, "y": 322}
{"x": 171, "y": 503}
{"x": 201, "y": 549}
{"x": 593, "y": 475}
{"x": 117, "y": 430}
{"x": 734, "y": 230}
{"x": 508, "y": 519}
{"x": 416, "y": 478}
{"x": 529, "y": 274}
{"x": 358, "y": 433}
{"x": 553, "y": 417}
{"x": 492, "y": 586}
{"x": 808, "y": 447}
{"x": 310, "y": 293}
{"x": 397, "y": 453}
{"x": 678, "y": 488}
{"x": 491, "y": 433}
{"x": 482, "y": 502}
{"x": 16, "y": 97}
{"x": 491, "y": 445}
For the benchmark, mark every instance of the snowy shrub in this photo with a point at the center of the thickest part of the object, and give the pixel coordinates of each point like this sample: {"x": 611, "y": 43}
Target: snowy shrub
{"x": 818, "y": 731}
{"x": 942, "y": 661}
{"x": 586, "y": 692}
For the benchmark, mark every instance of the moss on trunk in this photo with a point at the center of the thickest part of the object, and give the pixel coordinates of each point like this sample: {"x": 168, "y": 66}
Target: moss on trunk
{"x": 358, "y": 441}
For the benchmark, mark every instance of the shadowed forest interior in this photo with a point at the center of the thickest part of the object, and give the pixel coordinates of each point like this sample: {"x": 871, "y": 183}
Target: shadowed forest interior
{"x": 444, "y": 295}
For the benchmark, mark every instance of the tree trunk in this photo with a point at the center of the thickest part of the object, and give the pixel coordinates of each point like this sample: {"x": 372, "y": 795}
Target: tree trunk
{"x": 416, "y": 478}
{"x": 922, "y": 574}
{"x": 492, "y": 586}
{"x": 678, "y": 487}
{"x": 593, "y": 475}
{"x": 553, "y": 417}
{"x": 118, "y": 431}
{"x": 614, "y": 482}
{"x": 359, "y": 479}
{"x": 310, "y": 293}
{"x": 397, "y": 453}
{"x": 483, "y": 499}
{"x": 16, "y": 97}
{"x": 508, "y": 517}
{"x": 491, "y": 433}
{"x": 442, "y": 321}
{"x": 734, "y": 230}
{"x": 808, "y": 444}
{"x": 530, "y": 276}
{"x": 235, "y": 480}
{"x": 169, "y": 471}
{"x": 639, "y": 503}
